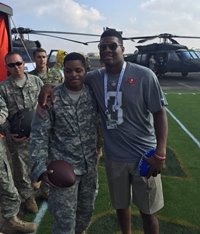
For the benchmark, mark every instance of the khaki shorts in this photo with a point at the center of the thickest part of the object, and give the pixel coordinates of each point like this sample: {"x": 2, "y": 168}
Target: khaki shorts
{"x": 125, "y": 185}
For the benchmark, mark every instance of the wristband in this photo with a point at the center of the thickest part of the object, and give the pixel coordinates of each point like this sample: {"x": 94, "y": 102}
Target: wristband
{"x": 159, "y": 157}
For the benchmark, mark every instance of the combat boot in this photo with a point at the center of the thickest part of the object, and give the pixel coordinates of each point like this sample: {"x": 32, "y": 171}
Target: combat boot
{"x": 31, "y": 205}
{"x": 19, "y": 225}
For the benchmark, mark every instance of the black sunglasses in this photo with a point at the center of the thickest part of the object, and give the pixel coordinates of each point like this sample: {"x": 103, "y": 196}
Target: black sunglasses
{"x": 112, "y": 46}
{"x": 18, "y": 64}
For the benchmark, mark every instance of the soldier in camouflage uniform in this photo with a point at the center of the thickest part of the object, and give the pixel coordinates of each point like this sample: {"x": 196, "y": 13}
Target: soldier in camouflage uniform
{"x": 9, "y": 197}
{"x": 52, "y": 75}
{"x": 20, "y": 91}
{"x": 71, "y": 123}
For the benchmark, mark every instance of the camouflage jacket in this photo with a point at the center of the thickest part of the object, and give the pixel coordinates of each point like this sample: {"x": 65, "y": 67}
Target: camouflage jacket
{"x": 3, "y": 111}
{"x": 53, "y": 76}
{"x": 17, "y": 98}
{"x": 3, "y": 115}
{"x": 67, "y": 131}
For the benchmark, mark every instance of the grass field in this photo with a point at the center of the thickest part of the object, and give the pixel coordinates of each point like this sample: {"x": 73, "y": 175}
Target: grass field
{"x": 181, "y": 178}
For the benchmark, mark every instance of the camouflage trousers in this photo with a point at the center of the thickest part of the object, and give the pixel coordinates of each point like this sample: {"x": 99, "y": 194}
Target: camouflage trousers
{"x": 9, "y": 197}
{"x": 21, "y": 168}
{"x": 72, "y": 207}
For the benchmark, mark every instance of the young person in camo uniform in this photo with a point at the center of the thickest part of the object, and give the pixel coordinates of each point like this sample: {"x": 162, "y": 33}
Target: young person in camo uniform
{"x": 70, "y": 123}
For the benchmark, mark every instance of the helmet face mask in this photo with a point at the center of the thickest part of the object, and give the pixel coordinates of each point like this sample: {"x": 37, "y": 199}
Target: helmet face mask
{"x": 20, "y": 123}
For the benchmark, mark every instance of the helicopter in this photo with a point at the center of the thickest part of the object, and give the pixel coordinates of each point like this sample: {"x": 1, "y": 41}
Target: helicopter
{"x": 14, "y": 40}
{"x": 25, "y": 47}
{"x": 169, "y": 55}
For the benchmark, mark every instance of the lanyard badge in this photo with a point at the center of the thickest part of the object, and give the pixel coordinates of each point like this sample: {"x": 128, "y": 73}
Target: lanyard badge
{"x": 111, "y": 123}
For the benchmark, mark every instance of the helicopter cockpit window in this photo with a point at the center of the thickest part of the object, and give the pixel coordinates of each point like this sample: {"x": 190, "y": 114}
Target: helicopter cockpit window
{"x": 138, "y": 58}
{"x": 197, "y": 53}
{"x": 193, "y": 54}
{"x": 144, "y": 59}
{"x": 185, "y": 55}
{"x": 141, "y": 59}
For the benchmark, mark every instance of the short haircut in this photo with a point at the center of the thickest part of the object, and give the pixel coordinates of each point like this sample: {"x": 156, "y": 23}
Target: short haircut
{"x": 75, "y": 56}
{"x": 38, "y": 50}
{"x": 9, "y": 54}
{"x": 112, "y": 33}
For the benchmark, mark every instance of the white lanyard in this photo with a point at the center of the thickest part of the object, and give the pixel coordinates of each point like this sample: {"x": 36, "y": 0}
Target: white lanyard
{"x": 117, "y": 91}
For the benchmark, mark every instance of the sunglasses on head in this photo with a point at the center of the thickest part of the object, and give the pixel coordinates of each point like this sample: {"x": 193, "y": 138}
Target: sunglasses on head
{"x": 18, "y": 64}
{"x": 112, "y": 46}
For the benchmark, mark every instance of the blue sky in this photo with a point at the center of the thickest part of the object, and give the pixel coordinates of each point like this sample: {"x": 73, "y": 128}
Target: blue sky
{"x": 133, "y": 17}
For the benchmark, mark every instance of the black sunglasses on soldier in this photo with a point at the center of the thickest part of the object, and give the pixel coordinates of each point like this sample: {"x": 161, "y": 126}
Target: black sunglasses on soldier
{"x": 18, "y": 64}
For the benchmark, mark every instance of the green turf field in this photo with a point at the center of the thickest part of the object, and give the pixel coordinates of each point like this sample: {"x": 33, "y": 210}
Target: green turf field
{"x": 181, "y": 178}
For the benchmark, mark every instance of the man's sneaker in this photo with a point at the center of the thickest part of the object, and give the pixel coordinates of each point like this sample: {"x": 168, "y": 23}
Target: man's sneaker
{"x": 31, "y": 205}
{"x": 19, "y": 225}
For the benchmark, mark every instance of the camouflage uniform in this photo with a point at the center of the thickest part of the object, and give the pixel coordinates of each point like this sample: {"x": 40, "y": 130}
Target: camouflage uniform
{"x": 72, "y": 128}
{"x": 9, "y": 197}
{"x": 53, "y": 76}
{"x": 3, "y": 111}
{"x": 17, "y": 98}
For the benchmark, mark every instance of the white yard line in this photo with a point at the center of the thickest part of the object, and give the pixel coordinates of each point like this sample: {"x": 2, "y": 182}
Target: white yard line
{"x": 40, "y": 214}
{"x": 195, "y": 140}
{"x": 188, "y": 93}
{"x": 184, "y": 85}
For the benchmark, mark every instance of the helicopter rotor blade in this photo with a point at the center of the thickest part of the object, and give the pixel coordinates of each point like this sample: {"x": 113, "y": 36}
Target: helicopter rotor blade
{"x": 189, "y": 37}
{"x": 124, "y": 39}
{"x": 63, "y": 38}
{"x": 69, "y": 33}
{"x": 146, "y": 39}
{"x": 90, "y": 42}
{"x": 141, "y": 39}
{"x": 163, "y": 36}
{"x": 173, "y": 41}
{"x": 128, "y": 38}
{"x": 22, "y": 30}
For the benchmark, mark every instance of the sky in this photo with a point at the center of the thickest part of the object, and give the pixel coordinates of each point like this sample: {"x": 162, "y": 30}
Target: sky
{"x": 132, "y": 17}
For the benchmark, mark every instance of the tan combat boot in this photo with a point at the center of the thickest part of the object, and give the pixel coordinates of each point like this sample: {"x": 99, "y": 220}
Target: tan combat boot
{"x": 31, "y": 205}
{"x": 19, "y": 225}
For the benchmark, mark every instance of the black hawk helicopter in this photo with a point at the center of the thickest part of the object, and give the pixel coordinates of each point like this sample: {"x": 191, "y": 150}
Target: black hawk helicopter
{"x": 169, "y": 55}
{"x": 14, "y": 40}
{"x": 25, "y": 47}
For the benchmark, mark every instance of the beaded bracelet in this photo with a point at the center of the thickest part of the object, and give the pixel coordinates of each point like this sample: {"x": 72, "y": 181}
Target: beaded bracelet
{"x": 159, "y": 157}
